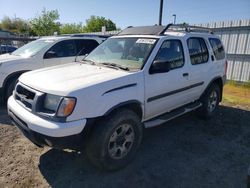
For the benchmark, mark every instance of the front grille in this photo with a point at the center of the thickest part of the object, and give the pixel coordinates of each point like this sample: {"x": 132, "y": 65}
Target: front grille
{"x": 25, "y": 96}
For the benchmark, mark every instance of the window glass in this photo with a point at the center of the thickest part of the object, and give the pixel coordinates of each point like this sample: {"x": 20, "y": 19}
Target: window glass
{"x": 32, "y": 48}
{"x": 171, "y": 51}
{"x": 197, "y": 50}
{"x": 64, "y": 48}
{"x": 85, "y": 46}
{"x": 130, "y": 52}
{"x": 218, "y": 49}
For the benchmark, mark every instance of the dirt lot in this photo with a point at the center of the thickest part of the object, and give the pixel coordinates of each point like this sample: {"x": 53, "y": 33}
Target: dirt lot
{"x": 186, "y": 152}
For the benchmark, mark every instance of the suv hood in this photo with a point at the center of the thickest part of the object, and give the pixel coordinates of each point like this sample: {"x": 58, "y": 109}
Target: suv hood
{"x": 8, "y": 57}
{"x": 64, "y": 79}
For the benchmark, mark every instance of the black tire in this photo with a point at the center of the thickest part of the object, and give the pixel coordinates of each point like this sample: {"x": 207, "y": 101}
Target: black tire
{"x": 10, "y": 87}
{"x": 99, "y": 147}
{"x": 210, "y": 101}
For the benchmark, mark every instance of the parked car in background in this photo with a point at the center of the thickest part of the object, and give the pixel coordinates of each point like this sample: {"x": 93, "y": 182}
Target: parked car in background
{"x": 44, "y": 52}
{"x": 141, "y": 78}
{"x": 6, "y": 49}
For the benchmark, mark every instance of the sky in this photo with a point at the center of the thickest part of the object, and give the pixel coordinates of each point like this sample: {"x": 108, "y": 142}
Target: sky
{"x": 131, "y": 12}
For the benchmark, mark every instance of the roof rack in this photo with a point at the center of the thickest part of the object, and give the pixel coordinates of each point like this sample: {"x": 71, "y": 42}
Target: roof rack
{"x": 187, "y": 28}
{"x": 160, "y": 30}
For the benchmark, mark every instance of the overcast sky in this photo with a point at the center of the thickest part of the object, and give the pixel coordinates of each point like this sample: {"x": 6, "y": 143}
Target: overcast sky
{"x": 131, "y": 12}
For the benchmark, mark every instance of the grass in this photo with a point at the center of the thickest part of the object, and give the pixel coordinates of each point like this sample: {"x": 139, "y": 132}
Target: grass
{"x": 237, "y": 94}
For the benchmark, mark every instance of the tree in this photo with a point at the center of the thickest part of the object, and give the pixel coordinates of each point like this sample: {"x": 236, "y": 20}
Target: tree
{"x": 71, "y": 28}
{"x": 45, "y": 24}
{"x": 15, "y": 25}
{"x": 95, "y": 23}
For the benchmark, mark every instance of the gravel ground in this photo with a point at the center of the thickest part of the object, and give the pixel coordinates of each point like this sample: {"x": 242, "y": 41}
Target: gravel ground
{"x": 186, "y": 152}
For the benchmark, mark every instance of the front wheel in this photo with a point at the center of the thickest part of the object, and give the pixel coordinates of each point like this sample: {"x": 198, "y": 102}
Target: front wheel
{"x": 115, "y": 140}
{"x": 210, "y": 101}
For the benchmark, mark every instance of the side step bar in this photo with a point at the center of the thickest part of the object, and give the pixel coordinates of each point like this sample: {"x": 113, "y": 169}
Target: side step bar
{"x": 171, "y": 115}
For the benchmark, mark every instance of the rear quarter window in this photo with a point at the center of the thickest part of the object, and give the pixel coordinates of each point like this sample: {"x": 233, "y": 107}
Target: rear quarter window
{"x": 217, "y": 47}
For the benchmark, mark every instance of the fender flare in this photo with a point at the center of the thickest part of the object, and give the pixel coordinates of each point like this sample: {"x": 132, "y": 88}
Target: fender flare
{"x": 126, "y": 103}
{"x": 210, "y": 83}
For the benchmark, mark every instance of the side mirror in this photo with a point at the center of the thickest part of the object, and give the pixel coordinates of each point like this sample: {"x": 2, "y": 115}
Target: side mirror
{"x": 50, "y": 54}
{"x": 159, "y": 66}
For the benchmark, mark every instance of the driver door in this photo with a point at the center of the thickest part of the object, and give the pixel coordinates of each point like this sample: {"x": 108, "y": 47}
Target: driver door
{"x": 61, "y": 53}
{"x": 165, "y": 91}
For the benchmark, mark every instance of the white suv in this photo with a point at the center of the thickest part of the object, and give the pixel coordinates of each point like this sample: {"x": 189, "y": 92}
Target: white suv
{"x": 44, "y": 52}
{"x": 141, "y": 78}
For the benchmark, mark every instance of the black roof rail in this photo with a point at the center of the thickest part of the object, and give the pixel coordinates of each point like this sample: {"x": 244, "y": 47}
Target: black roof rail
{"x": 85, "y": 35}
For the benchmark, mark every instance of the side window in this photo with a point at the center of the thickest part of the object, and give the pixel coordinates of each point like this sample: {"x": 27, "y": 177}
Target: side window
{"x": 64, "y": 48}
{"x": 85, "y": 46}
{"x": 171, "y": 51}
{"x": 197, "y": 50}
{"x": 218, "y": 49}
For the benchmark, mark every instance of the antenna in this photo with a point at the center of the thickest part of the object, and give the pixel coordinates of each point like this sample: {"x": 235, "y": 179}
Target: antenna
{"x": 79, "y": 53}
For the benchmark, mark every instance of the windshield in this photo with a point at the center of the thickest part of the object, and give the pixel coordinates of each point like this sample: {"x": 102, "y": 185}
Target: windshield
{"x": 32, "y": 48}
{"x": 128, "y": 53}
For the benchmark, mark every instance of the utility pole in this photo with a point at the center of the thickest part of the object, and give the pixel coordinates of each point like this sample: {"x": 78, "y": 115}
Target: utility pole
{"x": 160, "y": 12}
{"x": 174, "y": 15}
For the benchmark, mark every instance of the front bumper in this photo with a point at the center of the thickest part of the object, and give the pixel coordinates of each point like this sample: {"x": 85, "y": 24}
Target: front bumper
{"x": 44, "y": 132}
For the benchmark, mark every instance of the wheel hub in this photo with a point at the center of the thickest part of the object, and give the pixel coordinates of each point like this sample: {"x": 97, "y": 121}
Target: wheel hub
{"x": 212, "y": 102}
{"x": 121, "y": 141}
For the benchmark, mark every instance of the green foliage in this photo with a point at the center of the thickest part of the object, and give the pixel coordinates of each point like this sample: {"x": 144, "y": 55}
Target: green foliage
{"x": 45, "y": 24}
{"x": 15, "y": 25}
{"x": 95, "y": 23}
{"x": 239, "y": 84}
{"x": 71, "y": 28}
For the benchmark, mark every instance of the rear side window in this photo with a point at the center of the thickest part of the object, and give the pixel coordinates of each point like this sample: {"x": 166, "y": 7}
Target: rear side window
{"x": 171, "y": 51}
{"x": 85, "y": 46}
{"x": 64, "y": 48}
{"x": 218, "y": 49}
{"x": 197, "y": 50}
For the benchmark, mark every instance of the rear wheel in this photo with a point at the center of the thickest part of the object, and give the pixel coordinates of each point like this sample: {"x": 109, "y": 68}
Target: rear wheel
{"x": 115, "y": 140}
{"x": 210, "y": 101}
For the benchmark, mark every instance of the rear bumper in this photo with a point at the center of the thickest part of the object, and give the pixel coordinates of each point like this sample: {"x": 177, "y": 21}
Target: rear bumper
{"x": 46, "y": 133}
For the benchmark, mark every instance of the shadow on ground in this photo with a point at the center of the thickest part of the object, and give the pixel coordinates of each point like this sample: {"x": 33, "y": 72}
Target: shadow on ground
{"x": 186, "y": 152}
{"x": 4, "y": 119}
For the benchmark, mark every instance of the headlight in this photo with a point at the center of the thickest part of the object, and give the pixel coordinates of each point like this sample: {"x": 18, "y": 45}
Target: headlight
{"x": 51, "y": 102}
{"x": 66, "y": 107}
{"x": 60, "y": 106}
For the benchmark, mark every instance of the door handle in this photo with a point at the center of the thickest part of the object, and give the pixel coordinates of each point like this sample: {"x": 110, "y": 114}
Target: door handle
{"x": 185, "y": 74}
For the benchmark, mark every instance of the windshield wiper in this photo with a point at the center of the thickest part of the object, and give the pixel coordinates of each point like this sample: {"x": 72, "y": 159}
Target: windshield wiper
{"x": 88, "y": 60}
{"x": 116, "y": 66}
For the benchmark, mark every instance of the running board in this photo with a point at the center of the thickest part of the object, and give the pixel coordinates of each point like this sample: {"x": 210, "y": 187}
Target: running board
{"x": 171, "y": 115}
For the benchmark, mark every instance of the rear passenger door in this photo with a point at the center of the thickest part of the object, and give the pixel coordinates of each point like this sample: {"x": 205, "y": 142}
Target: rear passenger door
{"x": 199, "y": 63}
{"x": 85, "y": 46}
{"x": 61, "y": 53}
